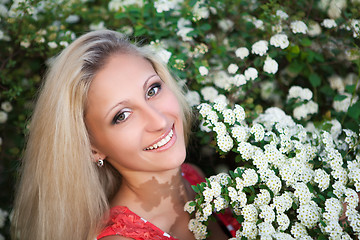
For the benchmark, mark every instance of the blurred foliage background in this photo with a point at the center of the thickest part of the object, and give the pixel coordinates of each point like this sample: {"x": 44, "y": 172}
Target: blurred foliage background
{"x": 201, "y": 42}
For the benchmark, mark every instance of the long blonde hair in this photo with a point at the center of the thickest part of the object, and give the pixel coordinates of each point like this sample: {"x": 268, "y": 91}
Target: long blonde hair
{"x": 62, "y": 194}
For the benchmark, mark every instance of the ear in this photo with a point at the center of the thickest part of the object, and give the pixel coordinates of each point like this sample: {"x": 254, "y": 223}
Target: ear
{"x": 97, "y": 154}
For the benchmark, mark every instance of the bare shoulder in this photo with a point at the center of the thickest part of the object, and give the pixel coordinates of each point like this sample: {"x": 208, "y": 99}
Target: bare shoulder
{"x": 116, "y": 237}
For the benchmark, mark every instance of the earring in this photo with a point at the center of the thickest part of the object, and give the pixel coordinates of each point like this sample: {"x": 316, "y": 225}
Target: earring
{"x": 100, "y": 163}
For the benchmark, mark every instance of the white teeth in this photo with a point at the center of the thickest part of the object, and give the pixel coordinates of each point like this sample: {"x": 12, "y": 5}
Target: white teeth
{"x": 162, "y": 142}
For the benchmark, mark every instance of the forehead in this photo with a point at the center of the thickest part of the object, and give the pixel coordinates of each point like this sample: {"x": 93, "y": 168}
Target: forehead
{"x": 122, "y": 69}
{"x": 118, "y": 79}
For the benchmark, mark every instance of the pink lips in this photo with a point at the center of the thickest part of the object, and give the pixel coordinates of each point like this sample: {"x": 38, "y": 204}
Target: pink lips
{"x": 166, "y": 141}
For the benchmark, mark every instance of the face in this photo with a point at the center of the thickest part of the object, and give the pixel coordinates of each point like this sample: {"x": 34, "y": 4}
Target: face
{"x": 133, "y": 118}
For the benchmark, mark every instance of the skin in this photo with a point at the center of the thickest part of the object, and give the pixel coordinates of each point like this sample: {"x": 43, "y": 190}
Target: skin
{"x": 129, "y": 109}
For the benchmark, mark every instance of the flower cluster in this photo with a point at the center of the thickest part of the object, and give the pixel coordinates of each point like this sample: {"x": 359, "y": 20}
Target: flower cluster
{"x": 294, "y": 183}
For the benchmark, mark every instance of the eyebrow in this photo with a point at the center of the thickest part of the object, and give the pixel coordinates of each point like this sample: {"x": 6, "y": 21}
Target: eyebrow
{"x": 124, "y": 101}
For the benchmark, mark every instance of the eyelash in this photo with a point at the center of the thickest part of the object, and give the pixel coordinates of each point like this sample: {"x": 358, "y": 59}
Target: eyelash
{"x": 116, "y": 120}
{"x": 155, "y": 85}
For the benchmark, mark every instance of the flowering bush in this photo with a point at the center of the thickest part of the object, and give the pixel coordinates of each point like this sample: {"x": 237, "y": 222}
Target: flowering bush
{"x": 299, "y": 56}
{"x": 294, "y": 182}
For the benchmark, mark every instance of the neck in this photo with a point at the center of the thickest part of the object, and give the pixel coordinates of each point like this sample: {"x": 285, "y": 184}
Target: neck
{"x": 152, "y": 189}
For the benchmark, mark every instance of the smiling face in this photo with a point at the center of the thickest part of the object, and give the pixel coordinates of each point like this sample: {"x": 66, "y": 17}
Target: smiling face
{"x": 133, "y": 118}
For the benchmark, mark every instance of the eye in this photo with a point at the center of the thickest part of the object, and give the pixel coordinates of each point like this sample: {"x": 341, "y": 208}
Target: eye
{"x": 121, "y": 116}
{"x": 153, "y": 90}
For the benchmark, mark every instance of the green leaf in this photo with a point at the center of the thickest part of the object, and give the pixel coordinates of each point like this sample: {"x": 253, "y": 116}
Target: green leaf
{"x": 192, "y": 204}
{"x": 296, "y": 67}
{"x": 321, "y": 237}
{"x": 311, "y": 188}
{"x": 354, "y": 111}
{"x": 139, "y": 30}
{"x": 322, "y": 197}
{"x": 350, "y": 88}
{"x": 195, "y": 188}
{"x": 305, "y": 42}
{"x": 339, "y": 97}
{"x": 294, "y": 49}
{"x": 315, "y": 80}
{"x": 205, "y": 27}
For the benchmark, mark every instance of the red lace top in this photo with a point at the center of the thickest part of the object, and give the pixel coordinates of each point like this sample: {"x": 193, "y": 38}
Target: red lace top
{"x": 126, "y": 223}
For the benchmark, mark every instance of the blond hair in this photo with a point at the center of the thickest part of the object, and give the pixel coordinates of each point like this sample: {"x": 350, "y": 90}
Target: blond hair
{"x": 62, "y": 194}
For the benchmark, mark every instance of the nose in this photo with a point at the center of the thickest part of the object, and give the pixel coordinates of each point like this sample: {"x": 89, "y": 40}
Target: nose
{"x": 155, "y": 119}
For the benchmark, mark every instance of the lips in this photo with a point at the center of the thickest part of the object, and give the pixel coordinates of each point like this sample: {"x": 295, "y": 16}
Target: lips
{"x": 163, "y": 141}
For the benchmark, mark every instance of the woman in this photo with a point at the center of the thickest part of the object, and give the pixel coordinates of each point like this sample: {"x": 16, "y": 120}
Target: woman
{"x": 108, "y": 131}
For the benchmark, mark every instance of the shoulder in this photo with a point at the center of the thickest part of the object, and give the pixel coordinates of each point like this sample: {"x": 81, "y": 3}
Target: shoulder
{"x": 197, "y": 169}
{"x": 193, "y": 174}
{"x": 115, "y": 237}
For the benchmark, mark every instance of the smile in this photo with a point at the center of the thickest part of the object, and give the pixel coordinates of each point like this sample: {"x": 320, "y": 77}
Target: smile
{"x": 162, "y": 142}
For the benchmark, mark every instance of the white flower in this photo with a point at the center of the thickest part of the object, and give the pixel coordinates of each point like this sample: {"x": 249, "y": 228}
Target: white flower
{"x": 72, "y": 19}
{"x": 279, "y": 40}
{"x": 270, "y": 66}
{"x": 337, "y": 83}
{"x": 267, "y": 213}
{"x": 183, "y": 29}
{"x": 303, "y": 193}
{"x": 298, "y": 27}
{"x": 222, "y": 80}
{"x": 266, "y": 230}
{"x": 188, "y": 208}
{"x": 239, "y": 80}
{"x": 6, "y": 106}
{"x": 64, "y": 44}
{"x": 309, "y": 214}
{"x": 239, "y": 113}
{"x": 260, "y": 47}
{"x": 97, "y": 26}
{"x": 259, "y": 24}
{"x": 3, "y": 117}
{"x": 52, "y": 44}
{"x": 329, "y": 23}
{"x": 25, "y": 43}
{"x": 306, "y": 109}
{"x": 163, "y": 54}
{"x": 193, "y": 98}
{"x": 229, "y": 116}
{"x": 343, "y": 105}
{"x": 242, "y": 52}
{"x": 251, "y": 73}
{"x": 209, "y": 93}
{"x": 203, "y": 71}
{"x": 283, "y": 221}
{"x": 258, "y": 131}
{"x": 250, "y": 213}
{"x": 225, "y": 24}
{"x": 198, "y": 229}
{"x": 166, "y": 5}
{"x": 299, "y": 92}
{"x": 262, "y": 198}
{"x": 250, "y": 177}
{"x": 322, "y": 178}
{"x": 225, "y": 142}
{"x": 298, "y": 230}
{"x": 314, "y": 29}
{"x": 240, "y": 133}
{"x": 283, "y": 15}
{"x": 200, "y": 11}
{"x": 334, "y": 10}
{"x": 232, "y": 68}
{"x": 249, "y": 230}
